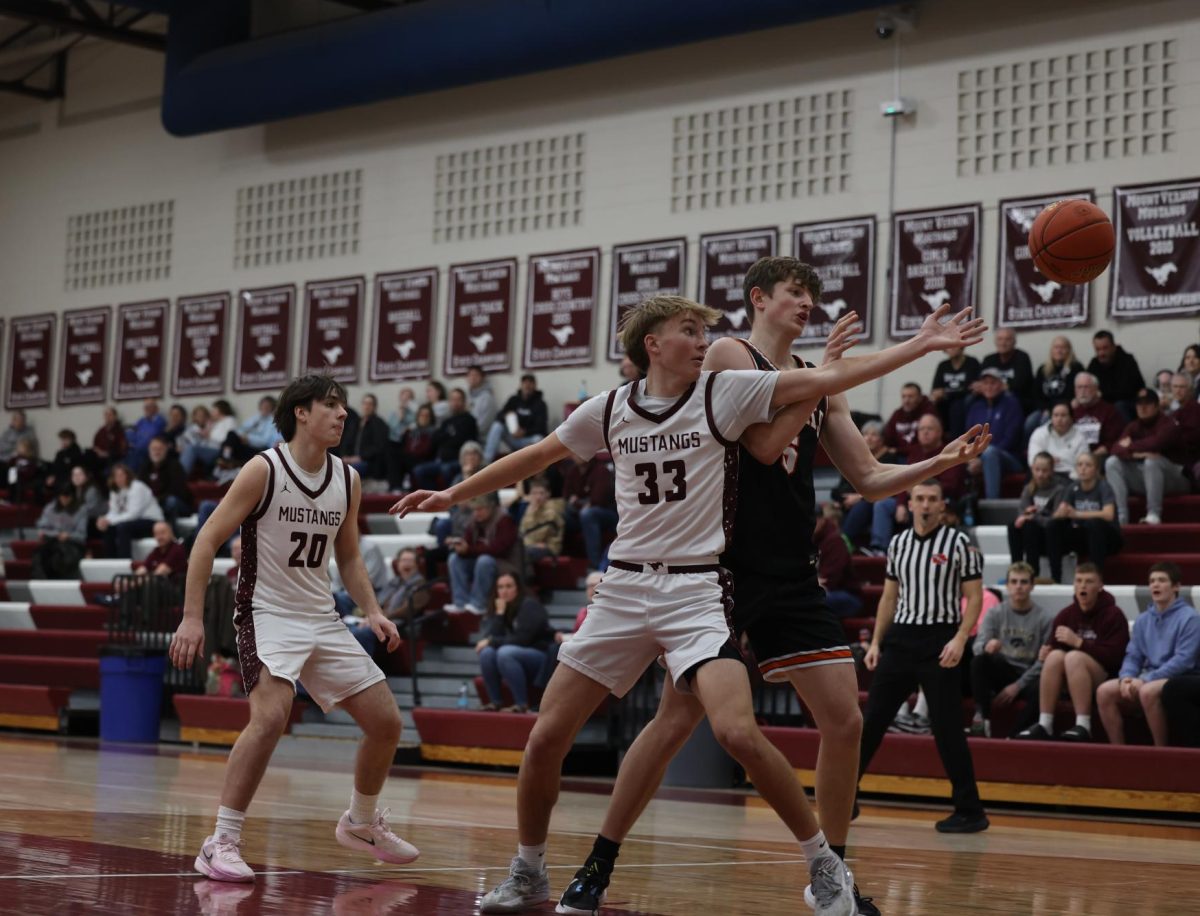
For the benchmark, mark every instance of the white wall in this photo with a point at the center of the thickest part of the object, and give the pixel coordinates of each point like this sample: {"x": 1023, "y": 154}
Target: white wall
{"x": 104, "y": 147}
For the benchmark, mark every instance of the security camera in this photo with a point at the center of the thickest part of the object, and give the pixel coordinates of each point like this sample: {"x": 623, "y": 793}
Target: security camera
{"x": 885, "y": 26}
{"x": 897, "y": 19}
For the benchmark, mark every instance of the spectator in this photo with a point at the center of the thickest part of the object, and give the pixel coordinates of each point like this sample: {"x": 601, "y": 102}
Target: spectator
{"x": 204, "y": 454}
{"x": 1087, "y": 642}
{"x": 1061, "y": 439}
{"x": 90, "y": 496}
{"x": 456, "y": 429}
{"x": 860, "y": 514}
{"x": 1147, "y": 459}
{"x": 435, "y": 397}
{"x": 1005, "y": 665}
{"x": 1116, "y": 372}
{"x": 629, "y": 371}
{"x": 168, "y": 557}
{"x": 1182, "y": 396}
{"x": 454, "y": 524}
{"x": 132, "y": 512}
{"x": 165, "y": 477}
{"x": 404, "y": 417}
{"x": 1054, "y": 382}
{"x": 592, "y": 581}
{"x": 1015, "y": 368}
{"x": 521, "y": 421}
{"x": 197, "y": 429}
{"x": 68, "y": 455}
{"x": 929, "y": 444}
{"x": 1002, "y": 411}
{"x": 403, "y": 595}
{"x": 414, "y": 449}
{"x": 1190, "y": 362}
{"x": 591, "y": 504}
{"x": 1162, "y": 387}
{"x": 18, "y": 429}
{"x": 489, "y": 548}
{"x": 481, "y": 400}
{"x": 1085, "y": 520}
{"x": 952, "y": 381}
{"x": 150, "y": 424}
{"x": 1187, "y": 416}
{"x": 26, "y": 475}
{"x": 62, "y": 536}
{"x": 177, "y": 420}
{"x": 109, "y": 444}
{"x": 368, "y": 450}
{"x": 834, "y": 571}
{"x": 1039, "y": 499}
{"x": 543, "y": 523}
{"x": 1097, "y": 419}
{"x": 901, "y": 428}
{"x": 513, "y": 649}
{"x": 377, "y": 571}
{"x": 1181, "y": 704}
{"x": 259, "y": 433}
{"x": 1165, "y": 644}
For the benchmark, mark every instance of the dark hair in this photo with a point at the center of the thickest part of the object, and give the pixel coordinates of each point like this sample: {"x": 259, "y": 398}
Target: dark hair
{"x": 225, "y": 407}
{"x": 475, "y": 367}
{"x": 68, "y": 434}
{"x": 1174, "y": 573}
{"x": 374, "y": 400}
{"x": 1089, "y": 569}
{"x": 911, "y": 385}
{"x": 1045, "y": 455}
{"x": 510, "y": 609}
{"x": 928, "y": 482}
{"x": 766, "y": 272}
{"x": 529, "y": 377}
{"x": 301, "y": 393}
{"x": 457, "y": 390}
{"x": 269, "y": 400}
{"x": 1190, "y": 348}
{"x": 112, "y": 474}
{"x": 439, "y": 388}
{"x": 432, "y": 415}
{"x": 183, "y": 410}
{"x": 539, "y": 481}
{"x": 1103, "y": 333}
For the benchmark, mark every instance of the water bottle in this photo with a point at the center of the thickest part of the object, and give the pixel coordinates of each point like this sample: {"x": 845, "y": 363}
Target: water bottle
{"x": 463, "y": 696}
{"x": 583, "y": 395}
{"x": 969, "y": 515}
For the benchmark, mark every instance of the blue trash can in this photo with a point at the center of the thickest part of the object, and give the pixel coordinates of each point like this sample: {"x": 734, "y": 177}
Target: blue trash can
{"x": 131, "y": 689}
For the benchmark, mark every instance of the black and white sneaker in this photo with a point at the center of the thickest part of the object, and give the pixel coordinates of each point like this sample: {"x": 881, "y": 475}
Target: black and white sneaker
{"x": 586, "y": 893}
{"x": 1076, "y": 733}
{"x": 1036, "y": 732}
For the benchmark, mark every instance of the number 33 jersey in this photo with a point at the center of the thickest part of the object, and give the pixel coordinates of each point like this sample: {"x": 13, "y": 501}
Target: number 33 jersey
{"x": 288, "y": 539}
{"x": 675, "y": 460}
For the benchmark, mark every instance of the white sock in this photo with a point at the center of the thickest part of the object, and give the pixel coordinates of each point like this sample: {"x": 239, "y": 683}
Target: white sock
{"x": 922, "y": 707}
{"x": 229, "y": 823}
{"x": 362, "y": 807}
{"x": 1085, "y": 721}
{"x": 533, "y": 856}
{"x": 1046, "y": 721}
{"x": 816, "y": 847}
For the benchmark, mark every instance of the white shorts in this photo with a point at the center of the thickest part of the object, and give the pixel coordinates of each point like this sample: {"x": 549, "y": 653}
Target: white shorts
{"x": 319, "y": 652}
{"x": 637, "y": 616}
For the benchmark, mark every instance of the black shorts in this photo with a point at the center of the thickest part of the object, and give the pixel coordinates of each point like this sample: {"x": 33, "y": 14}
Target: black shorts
{"x": 788, "y": 622}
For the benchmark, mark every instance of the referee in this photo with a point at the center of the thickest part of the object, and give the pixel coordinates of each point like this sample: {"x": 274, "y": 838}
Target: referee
{"x": 920, "y": 636}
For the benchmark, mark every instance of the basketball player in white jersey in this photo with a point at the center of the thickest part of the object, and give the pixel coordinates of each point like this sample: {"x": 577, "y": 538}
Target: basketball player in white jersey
{"x": 673, "y": 441}
{"x": 294, "y": 503}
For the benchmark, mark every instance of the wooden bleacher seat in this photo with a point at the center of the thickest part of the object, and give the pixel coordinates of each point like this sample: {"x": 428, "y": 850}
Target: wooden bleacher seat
{"x": 219, "y": 720}
{"x": 50, "y": 671}
{"x": 69, "y": 616}
{"x": 33, "y": 707}
{"x": 67, "y": 643}
{"x": 465, "y": 736}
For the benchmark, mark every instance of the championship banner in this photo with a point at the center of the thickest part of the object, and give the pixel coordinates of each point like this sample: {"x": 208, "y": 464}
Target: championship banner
{"x": 332, "y": 309}
{"x": 30, "y": 348}
{"x": 478, "y": 324}
{"x": 200, "y": 344}
{"x": 561, "y": 298}
{"x": 402, "y": 331}
{"x": 1027, "y": 299}
{"x": 141, "y": 338}
{"x": 83, "y": 361}
{"x": 1156, "y": 270}
{"x": 843, "y": 254}
{"x": 724, "y": 260}
{"x": 935, "y": 260}
{"x": 639, "y": 271}
{"x": 264, "y": 338}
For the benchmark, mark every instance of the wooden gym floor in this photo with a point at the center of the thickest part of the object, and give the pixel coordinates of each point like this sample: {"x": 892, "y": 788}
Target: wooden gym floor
{"x": 86, "y": 830}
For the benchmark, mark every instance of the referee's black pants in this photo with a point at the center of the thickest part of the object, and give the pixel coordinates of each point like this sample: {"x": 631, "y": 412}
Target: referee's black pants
{"x": 908, "y": 658}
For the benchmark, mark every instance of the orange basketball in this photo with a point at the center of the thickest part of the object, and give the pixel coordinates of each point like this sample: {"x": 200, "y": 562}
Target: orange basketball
{"x": 1072, "y": 241}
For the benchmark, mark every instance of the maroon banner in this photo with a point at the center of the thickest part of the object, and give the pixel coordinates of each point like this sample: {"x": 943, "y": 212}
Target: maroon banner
{"x": 724, "y": 259}
{"x": 478, "y": 324}
{"x": 83, "y": 360}
{"x": 200, "y": 324}
{"x": 560, "y": 300}
{"x": 1156, "y": 270}
{"x": 1026, "y": 298}
{"x": 141, "y": 345}
{"x": 843, "y": 253}
{"x": 639, "y": 271}
{"x": 264, "y": 340}
{"x": 30, "y": 349}
{"x": 332, "y": 313}
{"x": 935, "y": 260}
{"x": 402, "y": 338}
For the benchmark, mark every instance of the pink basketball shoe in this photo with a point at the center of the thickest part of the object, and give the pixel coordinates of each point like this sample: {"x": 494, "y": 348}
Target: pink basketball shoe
{"x": 375, "y": 838}
{"x": 221, "y": 860}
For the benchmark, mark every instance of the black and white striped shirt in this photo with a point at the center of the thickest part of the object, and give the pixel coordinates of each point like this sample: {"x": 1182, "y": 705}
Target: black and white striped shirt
{"x": 931, "y": 571}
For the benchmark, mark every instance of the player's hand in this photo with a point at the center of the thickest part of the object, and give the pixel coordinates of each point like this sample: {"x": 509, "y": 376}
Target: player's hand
{"x": 871, "y": 659}
{"x": 421, "y": 501}
{"x": 952, "y": 653}
{"x": 992, "y": 646}
{"x": 1007, "y": 695}
{"x": 187, "y": 643}
{"x": 969, "y": 446}
{"x": 960, "y": 331}
{"x": 842, "y": 337}
{"x": 384, "y": 630}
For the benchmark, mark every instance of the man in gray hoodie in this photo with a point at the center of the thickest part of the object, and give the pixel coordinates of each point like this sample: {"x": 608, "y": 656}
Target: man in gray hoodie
{"x": 481, "y": 400}
{"x": 1005, "y": 666}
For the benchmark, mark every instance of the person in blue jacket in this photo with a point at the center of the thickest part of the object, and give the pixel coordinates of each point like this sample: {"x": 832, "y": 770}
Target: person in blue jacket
{"x": 999, "y": 407}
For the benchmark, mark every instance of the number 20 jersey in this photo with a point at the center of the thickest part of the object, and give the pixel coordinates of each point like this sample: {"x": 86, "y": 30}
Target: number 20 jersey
{"x": 675, "y": 461}
{"x": 288, "y": 539}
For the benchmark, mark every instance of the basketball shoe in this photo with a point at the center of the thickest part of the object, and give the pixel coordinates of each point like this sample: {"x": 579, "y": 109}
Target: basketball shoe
{"x": 832, "y": 888}
{"x": 524, "y": 888}
{"x": 221, "y": 860}
{"x": 585, "y": 894}
{"x": 863, "y": 906}
{"x": 375, "y": 838}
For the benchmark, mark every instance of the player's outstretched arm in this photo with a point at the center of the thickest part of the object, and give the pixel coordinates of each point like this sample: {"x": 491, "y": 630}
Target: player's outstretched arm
{"x": 243, "y": 497}
{"x": 354, "y": 571}
{"x": 510, "y": 469}
{"x": 833, "y": 378}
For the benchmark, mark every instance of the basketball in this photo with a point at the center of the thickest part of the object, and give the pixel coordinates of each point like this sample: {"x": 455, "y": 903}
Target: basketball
{"x": 1072, "y": 241}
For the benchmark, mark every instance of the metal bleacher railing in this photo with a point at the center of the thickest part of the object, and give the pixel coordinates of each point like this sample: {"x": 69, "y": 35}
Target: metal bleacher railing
{"x": 144, "y": 612}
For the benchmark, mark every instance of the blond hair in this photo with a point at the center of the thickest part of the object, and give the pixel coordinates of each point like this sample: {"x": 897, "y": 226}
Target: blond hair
{"x": 648, "y": 317}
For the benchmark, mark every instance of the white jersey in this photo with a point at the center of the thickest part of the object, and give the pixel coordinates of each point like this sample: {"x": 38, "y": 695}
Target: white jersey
{"x": 675, "y": 461}
{"x": 288, "y": 539}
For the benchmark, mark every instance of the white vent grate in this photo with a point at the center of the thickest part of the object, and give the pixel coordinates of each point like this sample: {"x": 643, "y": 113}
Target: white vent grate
{"x": 510, "y": 188}
{"x": 298, "y": 219}
{"x": 120, "y": 246}
{"x": 1081, "y": 107}
{"x": 763, "y": 152}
